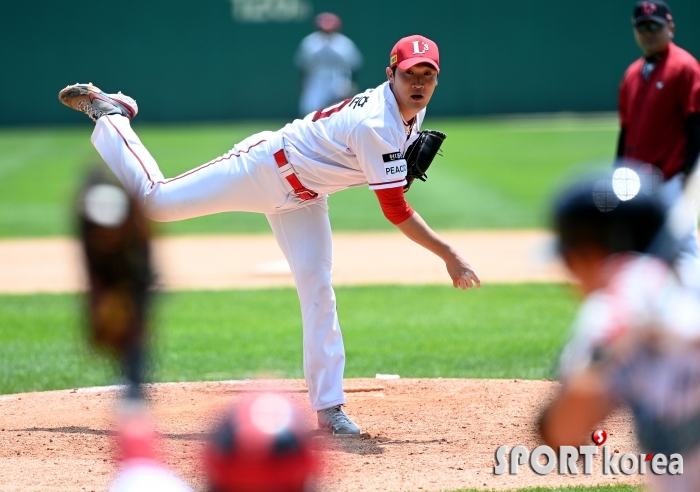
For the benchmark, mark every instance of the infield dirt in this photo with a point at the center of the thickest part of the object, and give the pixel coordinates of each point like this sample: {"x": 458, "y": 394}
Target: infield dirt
{"x": 255, "y": 261}
{"x": 419, "y": 434}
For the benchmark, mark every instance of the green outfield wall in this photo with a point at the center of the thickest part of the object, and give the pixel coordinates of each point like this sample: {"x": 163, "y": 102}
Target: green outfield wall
{"x": 229, "y": 59}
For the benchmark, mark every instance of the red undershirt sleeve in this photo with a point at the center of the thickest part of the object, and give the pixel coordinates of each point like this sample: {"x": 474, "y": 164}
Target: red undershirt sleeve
{"x": 394, "y": 205}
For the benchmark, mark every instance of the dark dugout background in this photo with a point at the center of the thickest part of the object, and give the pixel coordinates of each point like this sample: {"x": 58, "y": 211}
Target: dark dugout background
{"x": 232, "y": 59}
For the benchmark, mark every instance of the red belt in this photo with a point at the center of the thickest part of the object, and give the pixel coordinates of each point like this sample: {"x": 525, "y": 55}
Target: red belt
{"x": 288, "y": 172}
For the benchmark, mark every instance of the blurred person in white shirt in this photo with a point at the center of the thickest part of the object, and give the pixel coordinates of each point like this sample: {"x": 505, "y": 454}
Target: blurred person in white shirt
{"x": 327, "y": 60}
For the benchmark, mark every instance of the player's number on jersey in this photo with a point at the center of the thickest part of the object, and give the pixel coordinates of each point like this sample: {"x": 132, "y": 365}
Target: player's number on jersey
{"x": 355, "y": 102}
{"x": 326, "y": 112}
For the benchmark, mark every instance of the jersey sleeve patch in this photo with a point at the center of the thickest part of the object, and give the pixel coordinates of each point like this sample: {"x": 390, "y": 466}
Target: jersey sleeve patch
{"x": 392, "y": 171}
{"x": 392, "y": 156}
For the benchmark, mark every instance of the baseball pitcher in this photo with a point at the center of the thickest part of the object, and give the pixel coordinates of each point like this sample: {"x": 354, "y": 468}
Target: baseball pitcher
{"x": 287, "y": 175}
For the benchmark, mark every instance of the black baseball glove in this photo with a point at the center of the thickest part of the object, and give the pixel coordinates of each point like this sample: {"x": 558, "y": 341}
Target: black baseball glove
{"x": 420, "y": 154}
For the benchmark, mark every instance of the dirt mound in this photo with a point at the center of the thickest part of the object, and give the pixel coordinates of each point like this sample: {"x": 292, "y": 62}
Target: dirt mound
{"x": 419, "y": 434}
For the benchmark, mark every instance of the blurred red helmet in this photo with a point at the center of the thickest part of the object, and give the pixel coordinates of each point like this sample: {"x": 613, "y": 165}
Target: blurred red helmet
{"x": 328, "y": 22}
{"x": 261, "y": 445}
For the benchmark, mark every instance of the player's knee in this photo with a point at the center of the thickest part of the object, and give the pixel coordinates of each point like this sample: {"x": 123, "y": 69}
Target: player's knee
{"x": 313, "y": 273}
{"x": 159, "y": 208}
{"x": 158, "y": 213}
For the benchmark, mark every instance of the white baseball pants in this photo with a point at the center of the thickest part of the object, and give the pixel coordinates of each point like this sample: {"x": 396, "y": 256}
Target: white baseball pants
{"x": 688, "y": 260}
{"x": 247, "y": 179}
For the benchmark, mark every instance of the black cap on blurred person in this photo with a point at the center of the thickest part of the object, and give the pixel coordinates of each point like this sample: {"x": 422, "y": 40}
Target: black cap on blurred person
{"x": 656, "y": 11}
{"x": 616, "y": 211}
{"x": 328, "y": 22}
{"x": 261, "y": 445}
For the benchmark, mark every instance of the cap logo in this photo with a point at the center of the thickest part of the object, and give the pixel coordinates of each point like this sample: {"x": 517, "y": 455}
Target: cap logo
{"x": 648, "y": 8}
{"x": 394, "y": 59}
{"x": 417, "y": 48}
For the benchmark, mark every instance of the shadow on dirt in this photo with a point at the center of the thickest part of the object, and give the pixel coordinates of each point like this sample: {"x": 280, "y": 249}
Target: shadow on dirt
{"x": 364, "y": 444}
{"x": 193, "y": 436}
{"x": 70, "y": 430}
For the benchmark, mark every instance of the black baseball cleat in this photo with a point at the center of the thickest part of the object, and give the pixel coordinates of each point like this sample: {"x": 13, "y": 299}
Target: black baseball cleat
{"x": 93, "y": 102}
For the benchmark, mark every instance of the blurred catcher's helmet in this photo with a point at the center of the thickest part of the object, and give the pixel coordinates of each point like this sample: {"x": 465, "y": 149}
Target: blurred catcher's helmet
{"x": 616, "y": 211}
{"x": 261, "y": 445}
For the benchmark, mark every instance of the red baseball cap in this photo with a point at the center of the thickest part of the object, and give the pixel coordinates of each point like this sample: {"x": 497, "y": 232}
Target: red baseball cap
{"x": 412, "y": 50}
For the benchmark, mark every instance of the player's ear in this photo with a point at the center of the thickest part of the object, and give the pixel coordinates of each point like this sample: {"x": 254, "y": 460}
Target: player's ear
{"x": 389, "y": 75}
{"x": 672, "y": 28}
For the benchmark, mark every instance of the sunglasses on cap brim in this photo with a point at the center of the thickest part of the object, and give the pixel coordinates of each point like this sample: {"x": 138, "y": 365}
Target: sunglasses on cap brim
{"x": 648, "y": 26}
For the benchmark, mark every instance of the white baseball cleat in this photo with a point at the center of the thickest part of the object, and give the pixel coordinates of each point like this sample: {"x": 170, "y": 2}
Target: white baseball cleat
{"x": 93, "y": 102}
{"x": 337, "y": 421}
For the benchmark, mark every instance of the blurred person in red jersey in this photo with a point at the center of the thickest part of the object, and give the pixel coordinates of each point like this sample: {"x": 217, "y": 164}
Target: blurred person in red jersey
{"x": 659, "y": 104}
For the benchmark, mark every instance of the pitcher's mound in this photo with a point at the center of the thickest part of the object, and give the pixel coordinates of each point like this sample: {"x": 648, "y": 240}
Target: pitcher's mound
{"x": 418, "y": 434}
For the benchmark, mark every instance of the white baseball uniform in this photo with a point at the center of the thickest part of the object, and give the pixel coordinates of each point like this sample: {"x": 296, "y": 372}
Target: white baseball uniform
{"x": 327, "y": 60}
{"x": 145, "y": 475}
{"x": 643, "y": 332}
{"x": 357, "y": 142}
{"x": 688, "y": 258}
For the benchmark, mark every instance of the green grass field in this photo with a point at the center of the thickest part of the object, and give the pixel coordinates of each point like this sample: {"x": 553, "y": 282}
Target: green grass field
{"x": 600, "y": 488}
{"x": 503, "y": 331}
{"x": 495, "y": 173}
